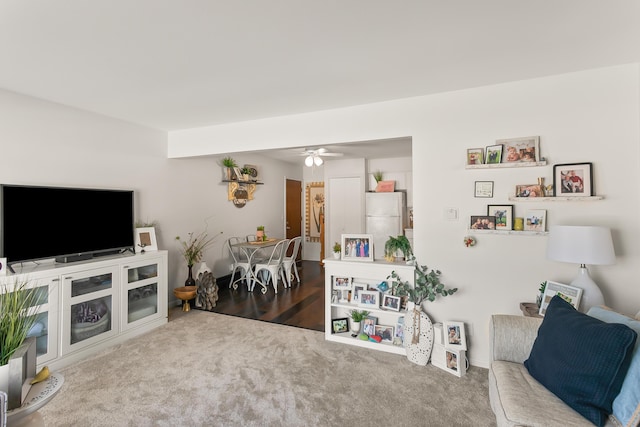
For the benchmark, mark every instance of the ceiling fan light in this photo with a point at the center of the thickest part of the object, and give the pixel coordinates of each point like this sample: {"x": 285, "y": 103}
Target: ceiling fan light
{"x": 309, "y": 161}
{"x": 318, "y": 160}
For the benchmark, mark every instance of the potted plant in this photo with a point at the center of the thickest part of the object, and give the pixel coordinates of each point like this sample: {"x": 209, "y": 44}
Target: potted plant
{"x": 193, "y": 249}
{"x": 377, "y": 175}
{"x": 229, "y": 163}
{"x": 357, "y": 316}
{"x": 246, "y": 173}
{"x": 418, "y": 335}
{"x": 260, "y": 233}
{"x": 336, "y": 250}
{"x": 395, "y": 244}
{"x": 18, "y": 303}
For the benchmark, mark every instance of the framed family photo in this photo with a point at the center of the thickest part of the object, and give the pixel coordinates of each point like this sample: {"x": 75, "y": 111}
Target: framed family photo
{"x": 342, "y": 283}
{"x": 368, "y": 325}
{"x": 455, "y": 337}
{"x": 370, "y": 299}
{"x": 573, "y": 180}
{"x": 339, "y": 325}
{"x": 455, "y": 361}
{"x": 535, "y": 220}
{"x": 503, "y": 214}
{"x": 529, "y": 190}
{"x": 357, "y": 247}
{"x": 570, "y": 294}
{"x": 475, "y": 156}
{"x": 493, "y": 154}
{"x": 482, "y": 222}
{"x": 516, "y": 150}
{"x": 385, "y": 332}
{"x": 357, "y": 289}
{"x": 391, "y": 302}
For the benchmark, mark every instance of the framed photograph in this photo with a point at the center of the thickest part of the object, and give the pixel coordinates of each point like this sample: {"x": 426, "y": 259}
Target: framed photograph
{"x": 454, "y": 335}
{"x": 535, "y": 220}
{"x": 570, "y": 294}
{"x": 503, "y": 214}
{"x": 391, "y": 302}
{"x": 370, "y": 299}
{"x": 529, "y": 190}
{"x": 484, "y": 189}
{"x": 475, "y": 156}
{"x": 357, "y": 289}
{"x": 573, "y": 180}
{"x": 398, "y": 336}
{"x": 339, "y": 326}
{"x": 368, "y": 325}
{"x": 313, "y": 207}
{"x": 357, "y": 247}
{"x": 483, "y": 222}
{"x": 342, "y": 283}
{"x": 517, "y": 150}
{"x": 493, "y": 154}
{"x": 146, "y": 239}
{"x": 455, "y": 361}
{"x": 385, "y": 332}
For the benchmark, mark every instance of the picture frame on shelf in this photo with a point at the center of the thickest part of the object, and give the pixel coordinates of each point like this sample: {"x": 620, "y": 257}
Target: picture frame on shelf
{"x": 518, "y": 150}
{"x": 342, "y": 283}
{"x": 475, "y": 156}
{"x": 391, "y": 302}
{"x": 535, "y": 220}
{"x": 454, "y": 335}
{"x": 357, "y": 247}
{"x": 340, "y": 325}
{"x": 145, "y": 239}
{"x": 482, "y": 222}
{"x": 384, "y": 332}
{"x": 484, "y": 189}
{"x": 570, "y": 294}
{"x": 368, "y": 325}
{"x": 573, "y": 180}
{"x": 369, "y": 299}
{"x": 530, "y": 190}
{"x": 503, "y": 214}
{"x": 398, "y": 334}
{"x": 493, "y": 154}
{"x": 357, "y": 288}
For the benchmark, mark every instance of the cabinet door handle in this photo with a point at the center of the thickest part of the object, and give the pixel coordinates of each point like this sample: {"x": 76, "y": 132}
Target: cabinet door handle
{"x": 68, "y": 278}
{"x": 55, "y": 280}
{"x": 125, "y": 267}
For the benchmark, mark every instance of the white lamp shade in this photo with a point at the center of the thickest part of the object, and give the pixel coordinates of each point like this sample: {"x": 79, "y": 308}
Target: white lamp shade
{"x": 581, "y": 245}
{"x": 309, "y": 161}
{"x": 318, "y": 160}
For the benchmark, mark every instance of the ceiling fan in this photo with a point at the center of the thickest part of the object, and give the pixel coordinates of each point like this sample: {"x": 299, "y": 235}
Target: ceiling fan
{"x": 314, "y": 156}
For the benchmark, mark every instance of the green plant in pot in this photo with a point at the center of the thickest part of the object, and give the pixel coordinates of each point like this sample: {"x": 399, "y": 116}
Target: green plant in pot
{"x": 246, "y": 173}
{"x": 357, "y": 316}
{"x": 377, "y": 175}
{"x": 395, "y": 244}
{"x": 336, "y": 250}
{"x": 229, "y": 163}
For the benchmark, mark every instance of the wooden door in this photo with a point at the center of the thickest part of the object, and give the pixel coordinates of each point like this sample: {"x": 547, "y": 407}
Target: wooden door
{"x": 293, "y": 212}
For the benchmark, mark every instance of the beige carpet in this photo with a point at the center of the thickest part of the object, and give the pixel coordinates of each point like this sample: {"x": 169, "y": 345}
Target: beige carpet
{"x": 209, "y": 369}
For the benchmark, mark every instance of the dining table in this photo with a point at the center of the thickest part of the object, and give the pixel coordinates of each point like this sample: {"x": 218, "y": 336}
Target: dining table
{"x": 250, "y": 250}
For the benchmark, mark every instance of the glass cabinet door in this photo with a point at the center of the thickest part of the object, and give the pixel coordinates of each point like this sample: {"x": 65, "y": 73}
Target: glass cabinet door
{"x": 140, "y": 295}
{"x": 45, "y": 326}
{"x": 90, "y": 307}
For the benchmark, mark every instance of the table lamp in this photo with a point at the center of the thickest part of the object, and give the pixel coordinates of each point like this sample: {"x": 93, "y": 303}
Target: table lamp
{"x": 582, "y": 245}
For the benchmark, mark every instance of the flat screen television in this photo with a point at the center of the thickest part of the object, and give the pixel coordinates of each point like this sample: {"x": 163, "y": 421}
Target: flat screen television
{"x": 67, "y": 224}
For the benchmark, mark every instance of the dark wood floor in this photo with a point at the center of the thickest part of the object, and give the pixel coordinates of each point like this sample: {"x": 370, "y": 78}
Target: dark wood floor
{"x": 302, "y": 305}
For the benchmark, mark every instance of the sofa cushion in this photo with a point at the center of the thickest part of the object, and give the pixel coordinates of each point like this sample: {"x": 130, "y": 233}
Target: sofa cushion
{"x": 580, "y": 359}
{"x": 626, "y": 406}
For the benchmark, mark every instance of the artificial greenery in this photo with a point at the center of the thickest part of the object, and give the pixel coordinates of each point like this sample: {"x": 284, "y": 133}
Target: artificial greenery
{"x": 229, "y": 162}
{"x": 427, "y": 287}
{"x": 260, "y": 228}
{"x": 194, "y": 247}
{"x": 18, "y": 306}
{"x": 394, "y": 244}
{"x": 358, "y": 315}
{"x": 337, "y": 247}
{"x": 144, "y": 224}
{"x": 246, "y": 171}
{"x": 377, "y": 175}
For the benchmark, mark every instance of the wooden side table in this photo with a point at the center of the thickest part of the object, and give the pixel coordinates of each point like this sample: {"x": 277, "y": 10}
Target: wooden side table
{"x": 530, "y": 309}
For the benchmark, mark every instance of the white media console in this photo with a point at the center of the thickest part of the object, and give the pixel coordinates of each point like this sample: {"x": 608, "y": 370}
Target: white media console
{"x": 90, "y": 305}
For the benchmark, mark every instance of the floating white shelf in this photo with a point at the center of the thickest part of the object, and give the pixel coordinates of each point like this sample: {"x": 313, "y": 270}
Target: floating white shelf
{"x": 555, "y": 199}
{"x": 507, "y": 165}
{"x": 519, "y": 233}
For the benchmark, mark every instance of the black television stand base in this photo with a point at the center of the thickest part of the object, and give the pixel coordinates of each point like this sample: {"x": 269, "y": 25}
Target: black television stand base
{"x": 74, "y": 258}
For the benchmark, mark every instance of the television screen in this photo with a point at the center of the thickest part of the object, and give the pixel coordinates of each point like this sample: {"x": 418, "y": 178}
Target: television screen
{"x": 51, "y": 222}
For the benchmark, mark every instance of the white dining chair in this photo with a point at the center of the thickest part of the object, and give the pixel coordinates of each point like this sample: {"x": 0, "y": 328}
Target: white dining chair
{"x": 240, "y": 262}
{"x": 289, "y": 266}
{"x": 271, "y": 268}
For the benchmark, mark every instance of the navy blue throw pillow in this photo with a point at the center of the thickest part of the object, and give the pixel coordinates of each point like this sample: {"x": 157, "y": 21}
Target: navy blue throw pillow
{"x": 580, "y": 359}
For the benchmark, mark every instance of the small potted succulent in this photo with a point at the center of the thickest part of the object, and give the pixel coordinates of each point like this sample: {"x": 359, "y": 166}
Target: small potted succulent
{"x": 246, "y": 173}
{"x": 357, "y": 316}
{"x": 229, "y": 163}
{"x": 336, "y": 250}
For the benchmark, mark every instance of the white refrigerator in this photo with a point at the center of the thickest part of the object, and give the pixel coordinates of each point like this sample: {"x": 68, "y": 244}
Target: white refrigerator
{"x": 385, "y": 216}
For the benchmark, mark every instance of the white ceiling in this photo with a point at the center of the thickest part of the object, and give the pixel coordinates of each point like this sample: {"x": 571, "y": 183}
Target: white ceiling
{"x": 189, "y": 63}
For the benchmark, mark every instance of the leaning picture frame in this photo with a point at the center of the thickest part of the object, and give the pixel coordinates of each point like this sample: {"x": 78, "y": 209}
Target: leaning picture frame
{"x": 385, "y": 332}
{"x": 454, "y": 335}
{"x": 369, "y": 299}
{"x": 357, "y": 247}
{"x": 570, "y": 294}
{"x": 517, "y": 150}
{"x": 355, "y": 293}
{"x": 340, "y": 325}
{"x": 475, "y": 156}
{"x": 493, "y": 154}
{"x": 342, "y": 283}
{"x": 503, "y": 214}
{"x": 535, "y": 220}
{"x": 573, "y": 180}
{"x": 391, "y": 302}
{"x": 145, "y": 239}
{"x": 455, "y": 361}
{"x": 368, "y": 325}
{"x": 482, "y": 222}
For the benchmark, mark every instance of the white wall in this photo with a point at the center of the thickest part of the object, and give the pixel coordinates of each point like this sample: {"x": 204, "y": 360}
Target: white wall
{"x": 48, "y": 144}
{"x": 591, "y": 116}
